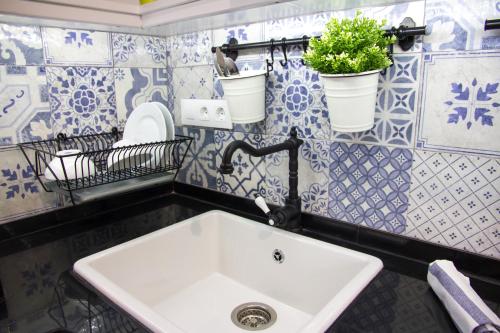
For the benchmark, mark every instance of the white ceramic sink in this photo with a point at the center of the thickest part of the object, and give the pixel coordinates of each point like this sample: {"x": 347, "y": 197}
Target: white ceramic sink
{"x": 189, "y": 277}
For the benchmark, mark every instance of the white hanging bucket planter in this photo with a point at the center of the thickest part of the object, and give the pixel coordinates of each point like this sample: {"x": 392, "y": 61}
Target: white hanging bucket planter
{"x": 245, "y": 94}
{"x": 351, "y": 100}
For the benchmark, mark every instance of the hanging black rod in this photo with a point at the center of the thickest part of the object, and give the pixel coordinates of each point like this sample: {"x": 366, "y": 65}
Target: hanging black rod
{"x": 492, "y": 24}
{"x": 400, "y": 33}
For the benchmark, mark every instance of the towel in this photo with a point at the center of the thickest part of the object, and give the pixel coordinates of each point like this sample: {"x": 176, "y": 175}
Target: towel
{"x": 468, "y": 311}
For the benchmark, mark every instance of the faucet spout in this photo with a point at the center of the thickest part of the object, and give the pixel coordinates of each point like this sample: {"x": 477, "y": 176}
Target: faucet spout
{"x": 292, "y": 144}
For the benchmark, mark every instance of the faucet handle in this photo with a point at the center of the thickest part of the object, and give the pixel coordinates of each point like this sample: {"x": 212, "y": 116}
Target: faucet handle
{"x": 261, "y": 203}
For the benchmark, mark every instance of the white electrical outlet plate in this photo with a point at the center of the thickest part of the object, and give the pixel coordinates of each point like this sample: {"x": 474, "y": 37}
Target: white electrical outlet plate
{"x": 206, "y": 113}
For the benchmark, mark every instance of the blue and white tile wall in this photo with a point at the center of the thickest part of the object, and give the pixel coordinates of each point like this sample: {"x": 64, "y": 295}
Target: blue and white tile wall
{"x": 56, "y": 80}
{"x": 430, "y": 167}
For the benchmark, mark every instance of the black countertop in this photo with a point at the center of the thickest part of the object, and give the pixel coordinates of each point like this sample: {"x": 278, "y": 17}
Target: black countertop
{"x": 39, "y": 292}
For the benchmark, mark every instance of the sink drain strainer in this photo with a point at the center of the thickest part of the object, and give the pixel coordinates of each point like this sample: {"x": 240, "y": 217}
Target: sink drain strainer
{"x": 253, "y": 316}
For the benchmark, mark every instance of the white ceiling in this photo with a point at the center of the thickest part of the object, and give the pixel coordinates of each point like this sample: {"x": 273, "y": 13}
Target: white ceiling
{"x": 193, "y": 12}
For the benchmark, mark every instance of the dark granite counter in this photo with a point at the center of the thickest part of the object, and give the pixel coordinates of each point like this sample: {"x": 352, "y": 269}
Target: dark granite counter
{"x": 39, "y": 292}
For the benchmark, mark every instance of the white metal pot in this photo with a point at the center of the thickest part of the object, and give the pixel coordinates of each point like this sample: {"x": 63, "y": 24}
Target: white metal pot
{"x": 246, "y": 96}
{"x": 351, "y": 100}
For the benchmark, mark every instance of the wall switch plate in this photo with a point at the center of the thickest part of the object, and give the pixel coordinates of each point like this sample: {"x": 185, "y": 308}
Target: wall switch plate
{"x": 206, "y": 113}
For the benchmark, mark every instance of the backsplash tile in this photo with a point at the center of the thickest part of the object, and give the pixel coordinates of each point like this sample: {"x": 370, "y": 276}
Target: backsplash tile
{"x": 369, "y": 185}
{"x": 20, "y": 45}
{"x": 455, "y": 200}
{"x": 314, "y": 156}
{"x": 191, "y": 82}
{"x": 460, "y": 103}
{"x": 294, "y": 97}
{"x": 82, "y": 99}
{"x": 199, "y": 167}
{"x": 77, "y": 47}
{"x": 135, "y": 86}
{"x": 458, "y": 25}
{"x": 438, "y": 102}
{"x": 249, "y": 173}
{"x": 20, "y": 193}
{"x": 139, "y": 51}
{"x": 24, "y": 105}
{"x": 396, "y": 106}
{"x": 191, "y": 49}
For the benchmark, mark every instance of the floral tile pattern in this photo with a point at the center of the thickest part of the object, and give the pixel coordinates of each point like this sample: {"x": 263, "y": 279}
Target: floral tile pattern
{"x": 396, "y": 106}
{"x": 294, "y": 97}
{"x": 191, "y": 49}
{"x": 460, "y": 103}
{"x": 24, "y": 105}
{"x": 199, "y": 164}
{"x": 455, "y": 201}
{"x": 249, "y": 173}
{"x": 314, "y": 156}
{"x": 20, "y": 193}
{"x": 139, "y": 51}
{"x": 191, "y": 82}
{"x": 20, "y": 45}
{"x": 135, "y": 86}
{"x": 77, "y": 47}
{"x": 369, "y": 185}
{"x": 459, "y": 25}
{"x": 82, "y": 99}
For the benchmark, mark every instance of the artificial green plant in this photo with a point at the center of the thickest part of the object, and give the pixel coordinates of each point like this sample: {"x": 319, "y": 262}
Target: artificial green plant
{"x": 350, "y": 46}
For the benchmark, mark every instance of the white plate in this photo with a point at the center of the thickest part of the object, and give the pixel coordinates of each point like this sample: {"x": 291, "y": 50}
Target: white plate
{"x": 168, "y": 120}
{"x": 145, "y": 124}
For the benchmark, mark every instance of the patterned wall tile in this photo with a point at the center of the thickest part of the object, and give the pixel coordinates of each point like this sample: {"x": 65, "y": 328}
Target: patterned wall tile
{"x": 249, "y": 173}
{"x": 294, "y": 97}
{"x": 135, "y": 86}
{"x": 396, "y": 106}
{"x": 24, "y": 105}
{"x": 247, "y": 33}
{"x": 82, "y": 99}
{"x": 199, "y": 164}
{"x": 459, "y": 25}
{"x": 139, "y": 51}
{"x": 191, "y": 82}
{"x": 77, "y": 47}
{"x": 369, "y": 185}
{"x": 460, "y": 103}
{"x": 314, "y": 156}
{"x": 191, "y": 49}
{"x": 20, "y": 45}
{"x": 455, "y": 200}
{"x": 20, "y": 193}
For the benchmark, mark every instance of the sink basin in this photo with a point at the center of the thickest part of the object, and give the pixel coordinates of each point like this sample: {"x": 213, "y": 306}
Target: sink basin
{"x": 189, "y": 277}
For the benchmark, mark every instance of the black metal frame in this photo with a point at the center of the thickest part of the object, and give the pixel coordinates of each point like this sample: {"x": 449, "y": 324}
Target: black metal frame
{"x": 405, "y": 35}
{"x": 98, "y": 162}
{"x": 492, "y": 24}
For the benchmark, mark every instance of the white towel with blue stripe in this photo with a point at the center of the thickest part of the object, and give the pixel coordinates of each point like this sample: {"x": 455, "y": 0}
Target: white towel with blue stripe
{"x": 468, "y": 311}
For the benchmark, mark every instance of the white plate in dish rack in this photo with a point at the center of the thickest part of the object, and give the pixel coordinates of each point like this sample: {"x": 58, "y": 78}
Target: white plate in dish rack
{"x": 168, "y": 120}
{"x": 146, "y": 124}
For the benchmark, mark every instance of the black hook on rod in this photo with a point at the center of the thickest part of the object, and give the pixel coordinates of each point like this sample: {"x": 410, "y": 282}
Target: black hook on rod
{"x": 269, "y": 64}
{"x": 283, "y": 47}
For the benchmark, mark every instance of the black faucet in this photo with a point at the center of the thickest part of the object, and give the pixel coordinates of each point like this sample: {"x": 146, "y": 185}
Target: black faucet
{"x": 289, "y": 216}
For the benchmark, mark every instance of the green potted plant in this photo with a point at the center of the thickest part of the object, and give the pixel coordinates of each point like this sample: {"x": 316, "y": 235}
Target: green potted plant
{"x": 349, "y": 56}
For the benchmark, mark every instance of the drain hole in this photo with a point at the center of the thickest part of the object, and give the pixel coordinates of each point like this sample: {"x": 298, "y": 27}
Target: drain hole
{"x": 253, "y": 316}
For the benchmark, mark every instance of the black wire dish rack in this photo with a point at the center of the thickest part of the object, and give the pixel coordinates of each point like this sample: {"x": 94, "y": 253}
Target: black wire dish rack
{"x": 88, "y": 167}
